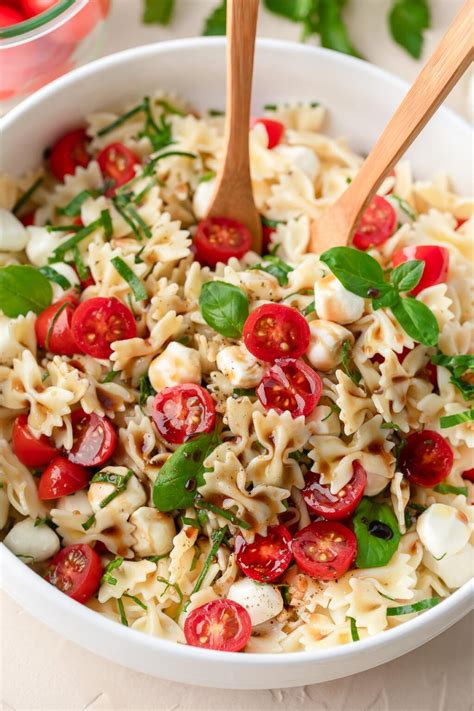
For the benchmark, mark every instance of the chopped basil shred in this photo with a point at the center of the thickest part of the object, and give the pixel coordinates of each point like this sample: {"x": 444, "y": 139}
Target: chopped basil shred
{"x": 146, "y": 389}
{"x": 217, "y": 537}
{"x": 27, "y": 195}
{"x": 73, "y": 208}
{"x": 449, "y": 489}
{"x": 348, "y": 365}
{"x": 414, "y": 607}
{"x": 200, "y": 503}
{"x": 63, "y": 228}
{"x": 130, "y": 277}
{"x": 113, "y": 565}
{"x": 457, "y": 419}
{"x": 121, "y": 609}
{"x": 354, "y": 630}
{"x": 53, "y": 321}
{"x": 460, "y": 367}
{"x": 119, "y": 481}
{"x": 55, "y": 277}
{"x": 136, "y": 600}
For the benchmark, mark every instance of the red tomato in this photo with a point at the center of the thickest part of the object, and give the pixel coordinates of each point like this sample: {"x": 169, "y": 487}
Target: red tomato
{"x": 426, "y": 459}
{"x": 117, "y": 163}
{"x": 290, "y": 385}
{"x": 60, "y": 478}
{"x": 220, "y": 624}
{"x": 182, "y": 411}
{"x": 28, "y": 219}
{"x": 53, "y": 327}
{"x": 335, "y": 507}
{"x": 377, "y": 224}
{"x": 100, "y": 321}
{"x": 469, "y": 475}
{"x": 217, "y": 239}
{"x": 274, "y": 129}
{"x": 275, "y": 331}
{"x": 325, "y": 549}
{"x": 95, "y": 439}
{"x": 76, "y": 570}
{"x": 35, "y": 7}
{"x": 267, "y": 233}
{"x": 68, "y": 153}
{"x": 460, "y": 222}
{"x": 436, "y": 261}
{"x": 10, "y": 16}
{"x": 267, "y": 557}
{"x": 30, "y": 451}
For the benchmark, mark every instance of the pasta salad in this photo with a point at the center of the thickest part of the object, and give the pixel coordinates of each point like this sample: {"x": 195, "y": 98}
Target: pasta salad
{"x": 267, "y": 453}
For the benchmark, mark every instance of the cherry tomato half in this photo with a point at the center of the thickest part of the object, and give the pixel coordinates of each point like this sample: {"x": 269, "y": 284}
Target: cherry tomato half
{"x": 220, "y": 624}
{"x": 267, "y": 233}
{"x": 325, "y": 549}
{"x": 459, "y": 223}
{"x": 60, "y": 478}
{"x": 275, "y": 331}
{"x": 377, "y": 224}
{"x": 468, "y": 475}
{"x": 274, "y": 129}
{"x": 267, "y": 557}
{"x": 95, "y": 439}
{"x": 68, "y": 153}
{"x": 426, "y": 459}
{"x": 98, "y": 322}
{"x": 28, "y": 219}
{"x": 290, "y": 385}
{"x": 335, "y": 507}
{"x": 10, "y": 16}
{"x": 217, "y": 239}
{"x": 182, "y": 411}
{"x": 53, "y": 327}
{"x": 76, "y": 570}
{"x": 30, "y": 451}
{"x": 436, "y": 261}
{"x": 117, "y": 163}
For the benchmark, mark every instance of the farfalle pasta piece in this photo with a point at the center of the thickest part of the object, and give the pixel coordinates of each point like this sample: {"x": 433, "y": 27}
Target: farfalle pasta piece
{"x": 367, "y": 606}
{"x": 320, "y": 632}
{"x": 126, "y": 576}
{"x": 19, "y": 484}
{"x": 155, "y": 622}
{"x": 89, "y": 178}
{"x": 108, "y": 281}
{"x": 354, "y": 404}
{"x": 16, "y": 334}
{"x": 400, "y": 496}
{"x": 379, "y": 334}
{"x": 112, "y": 529}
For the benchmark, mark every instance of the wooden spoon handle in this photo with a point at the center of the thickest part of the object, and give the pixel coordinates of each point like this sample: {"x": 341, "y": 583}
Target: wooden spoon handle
{"x": 450, "y": 60}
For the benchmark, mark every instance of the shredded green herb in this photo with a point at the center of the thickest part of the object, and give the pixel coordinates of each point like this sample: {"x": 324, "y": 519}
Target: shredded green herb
{"x": 63, "y": 306}
{"x": 448, "y": 489}
{"x": 146, "y": 389}
{"x": 354, "y": 630}
{"x": 228, "y": 515}
{"x": 121, "y": 609}
{"x": 136, "y": 600}
{"x": 56, "y": 277}
{"x": 27, "y": 195}
{"x": 73, "y": 208}
{"x": 217, "y": 537}
{"x": 415, "y": 607}
{"x": 458, "y": 419}
{"x": 107, "y": 577}
{"x": 131, "y": 278}
{"x": 348, "y": 365}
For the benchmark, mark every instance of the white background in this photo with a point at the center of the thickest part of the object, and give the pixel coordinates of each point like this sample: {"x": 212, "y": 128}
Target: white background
{"x": 41, "y": 671}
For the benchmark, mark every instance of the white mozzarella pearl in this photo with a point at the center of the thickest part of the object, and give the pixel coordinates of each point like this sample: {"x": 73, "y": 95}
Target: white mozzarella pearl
{"x": 325, "y": 344}
{"x": 176, "y": 365}
{"x": 13, "y": 235}
{"x": 37, "y": 542}
{"x": 443, "y": 530}
{"x": 302, "y": 158}
{"x": 202, "y": 197}
{"x": 128, "y": 501}
{"x": 41, "y": 244}
{"x": 262, "y": 602}
{"x": 454, "y": 570}
{"x": 154, "y": 531}
{"x": 335, "y": 303}
{"x": 239, "y": 366}
{"x": 76, "y": 503}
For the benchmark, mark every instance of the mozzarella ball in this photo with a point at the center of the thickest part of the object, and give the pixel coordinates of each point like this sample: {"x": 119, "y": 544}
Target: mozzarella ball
{"x": 443, "y": 530}
{"x": 335, "y": 303}
{"x": 454, "y": 570}
{"x": 37, "y": 542}
{"x": 128, "y": 501}
{"x": 75, "y": 503}
{"x": 154, "y": 531}
{"x": 176, "y": 365}
{"x": 262, "y": 602}
{"x": 13, "y": 234}
{"x": 4, "y": 508}
{"x": 66, "y": 271}
{"x": 302, "y": 158}
{"x": 202, "y": 197}
{"x": 240, "y": 367}
{"x": 403, "y": 210}
{"x": 325, "y": 344}
{"x": 41, "y": 244}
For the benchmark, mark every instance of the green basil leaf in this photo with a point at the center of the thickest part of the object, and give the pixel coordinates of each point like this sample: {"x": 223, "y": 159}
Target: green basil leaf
{"x": 56, "y": 277}
{"x": 182, "y": 474}
{"x": 373, "y": 551}
{"x": 407, "y": 20}
{"x": 407, "y": 275}
{"x": 460, "y": 367}
{"x": 73, "y": 208}
{"x": 348, "y": 365}
{"x": 23, "y": 288}
{"x": 414, "y": 607}
{"x": 131, "y": 278}
{"x": 146, "y": 389}
{"x": 224, "y": 307}
{"x": 387, "y": 299}
{"x": 215, "y": 23}
{"x": 357, "y": 271}
{"x": 159, "y": 11}
{"x": 354, "y": 630}
{"x": 449, "y": 489}
{"x": 275, "y": 266}
{"x": 27, "y": 195}
{"x": 417, "y": 320}
{"x": 332, "y": 29}
{"x": 457, "y": 419}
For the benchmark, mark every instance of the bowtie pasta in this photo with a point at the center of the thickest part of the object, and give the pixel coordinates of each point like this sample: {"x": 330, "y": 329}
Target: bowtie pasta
{"x": 243, "y": 452}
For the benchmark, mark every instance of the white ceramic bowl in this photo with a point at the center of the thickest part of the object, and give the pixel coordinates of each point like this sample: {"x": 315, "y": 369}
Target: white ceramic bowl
{"x": 360, "y": 98}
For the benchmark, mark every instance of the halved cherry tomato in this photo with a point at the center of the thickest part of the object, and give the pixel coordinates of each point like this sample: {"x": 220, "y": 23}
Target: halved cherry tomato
{"x": 53, "y": 327}
{"x": 95, "y": 439}
{"x": 274, "y": 129}
{"x": 468, "y": 474}
{"x": 69, "y": 152}
{"x": 30, "y": 451}
{"x": 335, "y": 507}
{"x": 36, "y": 7}
{"x": 10, "y": 16}
{"x": 60, "y": 478}
{"x": 290, "y": 385}
{"x": 325, "y": 549}
{"x": 426, "y": 458}
{"x": 28, "y": 219}
{"x": 182, "y": 411}
{"x": 267, "y": 557}
{"x": 459, "y": 223}
{"x": 100, "y": 321}
{"x": 275, "y": 331}
{"x": 377, "y": 224}
{"x": 436, "y": 261}
{"x": 217, "y": 239}
{"x": 220, "y": 624}
{"x": 267, "y": 233}
{"x": 76, "y": 570}
{"x": 117, "y": 163}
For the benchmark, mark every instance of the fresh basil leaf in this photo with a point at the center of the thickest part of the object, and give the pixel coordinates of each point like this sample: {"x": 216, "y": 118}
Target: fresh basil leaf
{"x": 217, "y": 537}
{"x": 460, "y": 367}
{"x": 407, "y": 275}
{"x": 131, "y": 278}
{"x": 449, "y": 489}
{"x": 23, "y": 288}
{"x": 27, "y": 195}
{"x": 348, "y": 365}
{"x": 276, "y": 267}
{"x": 414, "y": 607}
{"x": 357, "y": 271}
{"x": 224, "y": 307}
{"x": 387, "y": 299}
{"x": 295, "y": 10}
{"x": 407, "y": 20}
{"x": 56, "y": 277}
{"x": 215, "y": 23}
{"x": 331, "y": 27}
{"x": 310, "y": 309}
{"x": 354, "y": 630}
{"x": 159, "y": 11}
{"x": 457, "y": 419}
{"x": 243, "y": 392}
{"x": 73, "y": 208}
{"x": 371, "y": 521}
{"x": 200, "y": 504}
{"x": 417, "y": 320}
{"x": 183, "y": 473}
{"x": 146, "y": 389}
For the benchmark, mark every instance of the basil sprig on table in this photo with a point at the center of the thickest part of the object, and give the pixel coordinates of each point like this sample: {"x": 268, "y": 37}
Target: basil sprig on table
{"x": 182, "y": 474}
{"x": 460, "y": 367}
{"x": 361, "y": 274}
{"x": 23, "y": 288}
{"x": 377, "y": 533}
{"x": 224, "y": 307}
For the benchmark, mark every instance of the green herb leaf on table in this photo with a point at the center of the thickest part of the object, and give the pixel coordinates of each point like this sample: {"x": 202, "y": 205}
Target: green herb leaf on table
{"x": 407, "y": 275}
{"x": 215, "y": 23}
{"x": 23, "y": 288}
{"x": 417, "y": 320}
{"x": 407, "y": 20}
{"x": 224, "y": 307}
{"x": 372, "y": 550}
{"x": 457, "y": 419}
{"x": 160, "y": 11}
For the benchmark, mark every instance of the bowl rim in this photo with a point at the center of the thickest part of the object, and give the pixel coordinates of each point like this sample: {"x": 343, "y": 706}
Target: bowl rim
{"x": 38, "y": 588}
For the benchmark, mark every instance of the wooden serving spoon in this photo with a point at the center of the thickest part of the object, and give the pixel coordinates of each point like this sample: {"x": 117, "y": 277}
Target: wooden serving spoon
{"x": 450, "y": 60}
{"x": 233, "y": 197}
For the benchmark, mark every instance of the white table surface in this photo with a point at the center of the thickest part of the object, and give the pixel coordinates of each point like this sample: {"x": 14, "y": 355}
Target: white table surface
{"x": 42, "y": 671}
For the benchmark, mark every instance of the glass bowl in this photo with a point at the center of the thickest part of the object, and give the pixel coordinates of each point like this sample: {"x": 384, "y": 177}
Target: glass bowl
{"x": 36, "y": 51}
